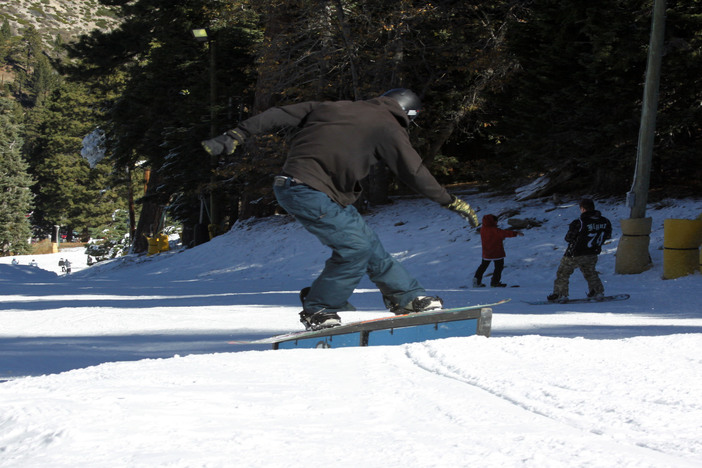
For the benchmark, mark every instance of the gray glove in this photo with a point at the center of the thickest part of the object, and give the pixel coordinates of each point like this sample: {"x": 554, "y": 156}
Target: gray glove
{"x": 224, "y": 144}
{"x": 462, "y": 208}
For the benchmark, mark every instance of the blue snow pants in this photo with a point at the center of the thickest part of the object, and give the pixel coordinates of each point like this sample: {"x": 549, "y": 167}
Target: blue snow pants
{"x": 356, "y": 251}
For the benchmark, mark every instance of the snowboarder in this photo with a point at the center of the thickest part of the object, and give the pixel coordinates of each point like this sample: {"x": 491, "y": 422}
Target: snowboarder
{"x": 333, "y": 150}
{"x": 33, "y": 263}
{"x": 585, "y": 238}
{"x": 492, "y": 239}
{"x": 15, "y": 261}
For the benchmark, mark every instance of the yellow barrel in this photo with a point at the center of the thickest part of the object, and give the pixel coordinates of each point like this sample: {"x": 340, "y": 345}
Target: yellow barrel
{"x": 162, "y": 240}
{"x": 681, "y": 243}
{"x": 153, "y": 245}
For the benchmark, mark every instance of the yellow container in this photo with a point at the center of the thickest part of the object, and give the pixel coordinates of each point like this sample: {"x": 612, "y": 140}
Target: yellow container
{"x": 681, "y": 242}
{"x": 162, "y": 243}
{"x": 153, "y": 245}
{"x": 157, "y": 244}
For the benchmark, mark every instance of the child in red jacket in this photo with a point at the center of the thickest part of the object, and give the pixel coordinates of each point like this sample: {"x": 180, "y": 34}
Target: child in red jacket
{"x": 493, "y": 251}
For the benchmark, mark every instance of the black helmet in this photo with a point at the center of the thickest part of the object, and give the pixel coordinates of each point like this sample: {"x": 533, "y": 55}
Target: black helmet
{"x": 409, "y": 101}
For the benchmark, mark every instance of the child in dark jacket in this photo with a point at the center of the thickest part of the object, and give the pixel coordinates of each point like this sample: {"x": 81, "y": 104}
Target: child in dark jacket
{"x": 493, "y": 251}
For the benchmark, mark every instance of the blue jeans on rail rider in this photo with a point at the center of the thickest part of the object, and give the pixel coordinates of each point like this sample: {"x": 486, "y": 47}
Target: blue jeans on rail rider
{"x": 356, "y": 250}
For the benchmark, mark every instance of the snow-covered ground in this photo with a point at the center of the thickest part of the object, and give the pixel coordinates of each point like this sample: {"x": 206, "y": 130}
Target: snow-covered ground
{"x": 126, "y": 363}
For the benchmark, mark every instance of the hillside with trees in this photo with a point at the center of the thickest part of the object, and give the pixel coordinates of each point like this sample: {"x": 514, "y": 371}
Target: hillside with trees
{"x": 15, "y": 184}
{"x": 513, "y": 90}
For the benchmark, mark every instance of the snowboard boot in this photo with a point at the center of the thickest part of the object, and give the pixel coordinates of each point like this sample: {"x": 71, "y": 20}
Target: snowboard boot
{"x": 303, "y": 294}
{"x": 556, "y": 298}
{"x": 498, "y": 285}
{"x": 319, "y": 320}
{"x": 477, "y": 283}
{"x": 598, "y": 296}
{"x": 419, "y": 304}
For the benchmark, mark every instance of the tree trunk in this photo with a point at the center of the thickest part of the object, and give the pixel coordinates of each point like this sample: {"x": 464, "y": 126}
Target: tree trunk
{"x": 150, "y": 218}
{"x": 130, "y": 201}
{"x": 348, "y": 45}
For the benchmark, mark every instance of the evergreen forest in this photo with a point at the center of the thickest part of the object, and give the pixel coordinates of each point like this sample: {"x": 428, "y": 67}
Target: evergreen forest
{"x": 512, "y": 90}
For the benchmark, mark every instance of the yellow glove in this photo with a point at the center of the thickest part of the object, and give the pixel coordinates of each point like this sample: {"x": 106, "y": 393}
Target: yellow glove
{"x": 463, "y": 209}
{"x": 224, "y": 144}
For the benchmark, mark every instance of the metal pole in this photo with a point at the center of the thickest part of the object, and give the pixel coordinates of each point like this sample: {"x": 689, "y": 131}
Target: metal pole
{"x": 213, "y": 89}
{"x": 56, "y": 239}
{"x": 214, "y": 210}
{"x": 632, "y": 253}
{"x": 638, "y": 196}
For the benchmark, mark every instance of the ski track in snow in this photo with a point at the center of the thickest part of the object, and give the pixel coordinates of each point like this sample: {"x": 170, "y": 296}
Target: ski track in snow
{"x": 560, "y": 397}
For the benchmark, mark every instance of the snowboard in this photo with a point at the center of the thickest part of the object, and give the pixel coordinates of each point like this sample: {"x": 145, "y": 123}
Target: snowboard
{"x": 485, "y": 286}
{"x": 392, "y": 322}
{"x": 584, "y": 300}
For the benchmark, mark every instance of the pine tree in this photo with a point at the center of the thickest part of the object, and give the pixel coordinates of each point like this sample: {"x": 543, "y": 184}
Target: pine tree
{"x": 5, "y": 30}
{"x": 574, "y": 107}
{"x": 68, "y": 192}
{"x": 44, "y": 80}
{"x": 163, "y": 110}
{"x": 15, "y": 184}
{"x": 5, "y": 40}
{"x": 677, "y": 162}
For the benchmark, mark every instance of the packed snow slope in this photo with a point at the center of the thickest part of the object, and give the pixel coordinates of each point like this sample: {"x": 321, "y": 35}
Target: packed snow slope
{"x": 126, "y": 363}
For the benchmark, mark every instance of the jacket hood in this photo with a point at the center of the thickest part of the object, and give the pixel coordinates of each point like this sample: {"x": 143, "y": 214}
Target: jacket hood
{"x": 394, "y": 107}
{"x": 490, "y": 220}
{"x": 591, "y": 214}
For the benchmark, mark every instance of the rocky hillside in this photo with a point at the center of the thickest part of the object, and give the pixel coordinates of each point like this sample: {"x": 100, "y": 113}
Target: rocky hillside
{"x": 67, "y": 18}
